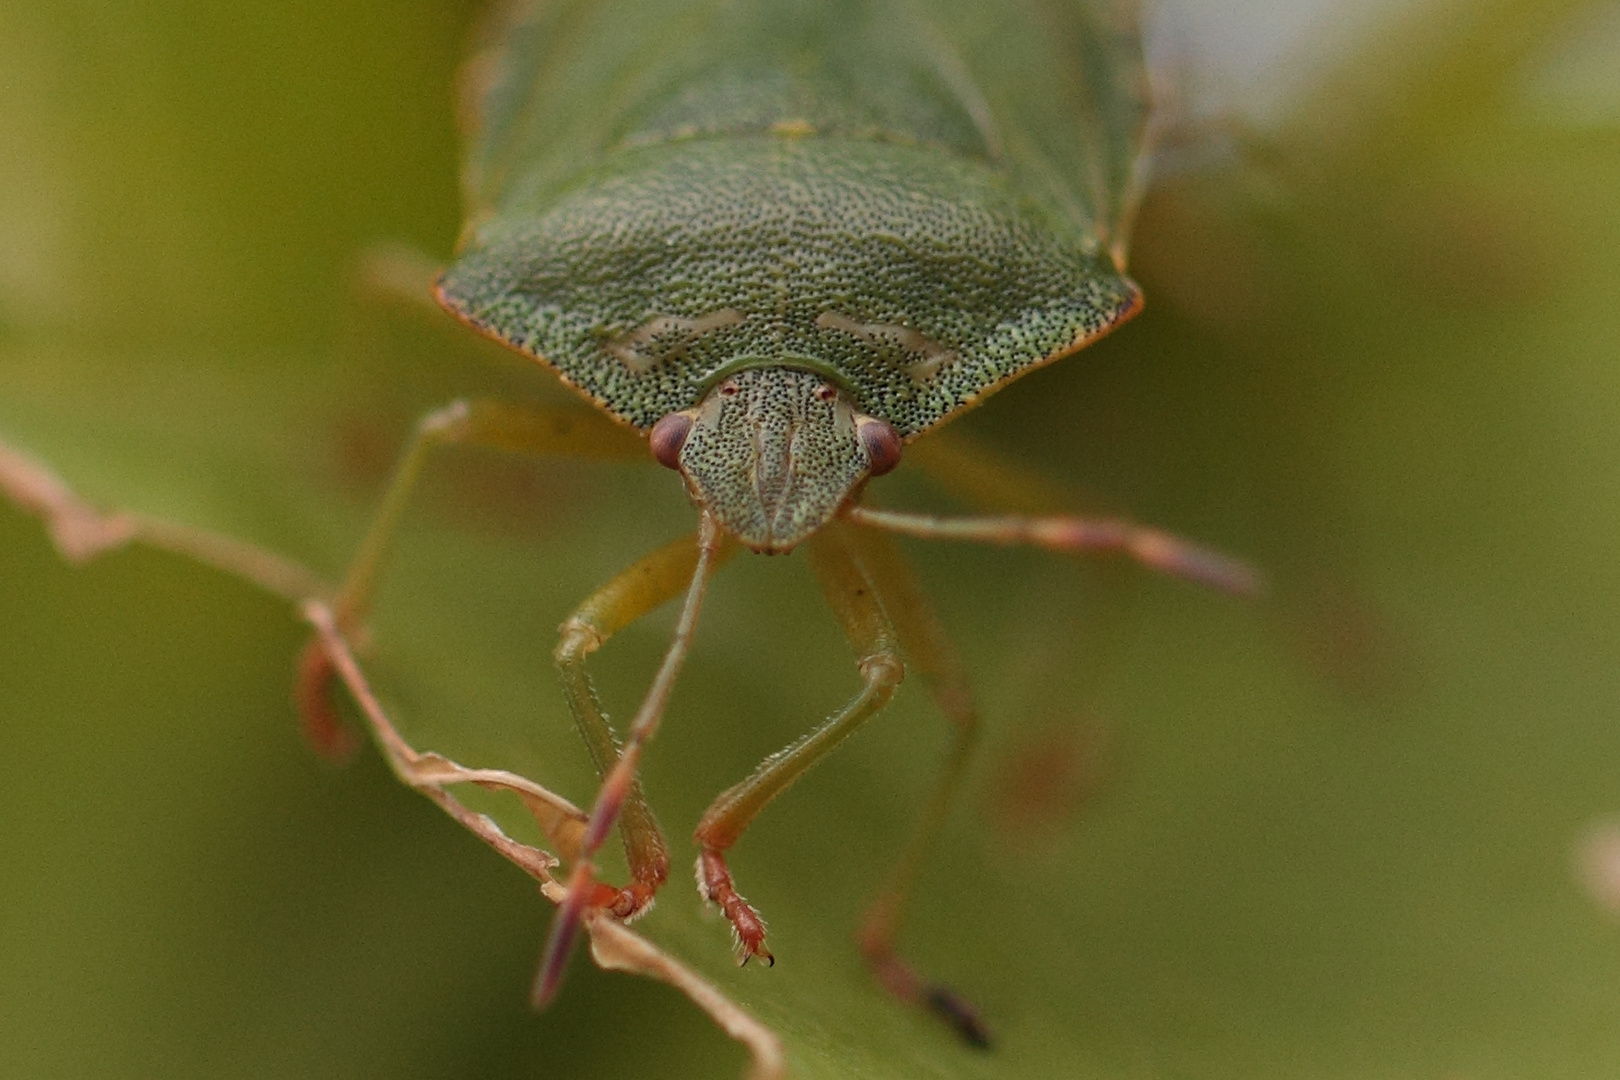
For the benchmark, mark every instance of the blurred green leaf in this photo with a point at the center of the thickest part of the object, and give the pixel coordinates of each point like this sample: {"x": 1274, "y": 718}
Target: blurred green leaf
{"x": 1357, "y": 830}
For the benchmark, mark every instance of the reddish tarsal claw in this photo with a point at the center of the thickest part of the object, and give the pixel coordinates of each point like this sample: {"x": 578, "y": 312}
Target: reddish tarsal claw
{"x": 714, "y": 881}
{"x": 584, "y": 893}
{"x": 628, "y": 903}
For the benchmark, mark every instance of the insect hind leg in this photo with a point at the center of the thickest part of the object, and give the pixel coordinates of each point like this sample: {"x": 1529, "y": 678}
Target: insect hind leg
{"x": 934, "y": 658}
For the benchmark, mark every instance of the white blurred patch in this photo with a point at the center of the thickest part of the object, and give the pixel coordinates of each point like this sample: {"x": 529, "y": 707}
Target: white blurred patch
{"x": 1597, "y": 863}
{"x": 1250, "y": 59}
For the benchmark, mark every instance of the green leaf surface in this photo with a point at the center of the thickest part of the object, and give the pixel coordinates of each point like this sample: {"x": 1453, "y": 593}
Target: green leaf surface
{"x": 1362, "y": 828}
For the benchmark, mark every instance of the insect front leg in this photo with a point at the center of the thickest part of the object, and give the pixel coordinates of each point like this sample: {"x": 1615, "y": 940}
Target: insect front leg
{"x": 646, "y": 586}
{"x": 851, "y": 593}
{"x": 619, "y": 784}
{"x": 494, "y": 425}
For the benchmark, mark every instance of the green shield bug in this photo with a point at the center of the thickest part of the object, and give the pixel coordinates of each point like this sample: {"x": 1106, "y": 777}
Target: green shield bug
{"x": 778, "y": 240}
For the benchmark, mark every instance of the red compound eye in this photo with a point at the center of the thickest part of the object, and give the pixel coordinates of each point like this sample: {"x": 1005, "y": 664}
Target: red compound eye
{"x": 881, "y": 442}
{"x": 667, "y": 437}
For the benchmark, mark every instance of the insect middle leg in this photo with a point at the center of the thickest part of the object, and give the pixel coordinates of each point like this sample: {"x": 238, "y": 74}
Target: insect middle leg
{"x": 852, "y": 594}
{"x": 564, "y": 432}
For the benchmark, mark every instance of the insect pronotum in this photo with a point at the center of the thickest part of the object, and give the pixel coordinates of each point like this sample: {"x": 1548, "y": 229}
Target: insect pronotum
{"x": 779, "y": 240}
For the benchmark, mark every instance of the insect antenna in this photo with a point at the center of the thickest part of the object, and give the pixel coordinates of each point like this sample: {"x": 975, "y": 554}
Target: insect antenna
{"x": 1152, "y": 548}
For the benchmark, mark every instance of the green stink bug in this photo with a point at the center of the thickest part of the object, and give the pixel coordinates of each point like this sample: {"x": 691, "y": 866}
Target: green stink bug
{"x": 778, "y": 240}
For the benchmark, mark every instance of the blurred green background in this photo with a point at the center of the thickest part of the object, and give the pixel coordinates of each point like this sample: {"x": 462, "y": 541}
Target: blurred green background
{"x": 1363, "y": 828}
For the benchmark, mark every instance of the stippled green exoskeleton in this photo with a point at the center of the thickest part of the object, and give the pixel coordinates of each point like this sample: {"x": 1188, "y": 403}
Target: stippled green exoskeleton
{"x": 778, "y": 240}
